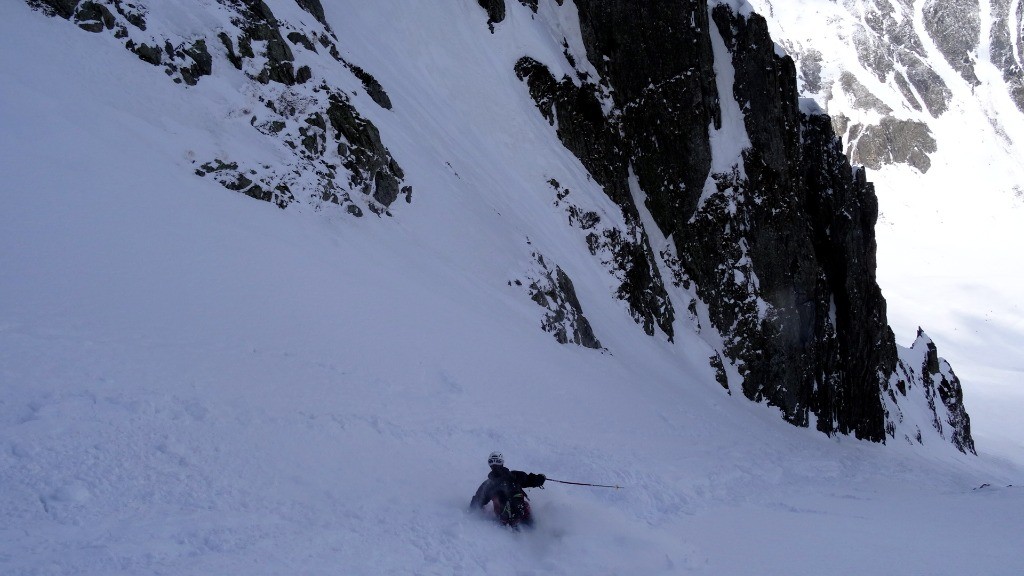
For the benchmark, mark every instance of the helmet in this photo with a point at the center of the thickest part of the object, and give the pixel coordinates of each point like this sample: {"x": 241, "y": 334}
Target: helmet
{"x": 495, "y": 459}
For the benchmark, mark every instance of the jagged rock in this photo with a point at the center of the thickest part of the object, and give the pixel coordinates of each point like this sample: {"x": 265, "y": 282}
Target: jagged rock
{"x": 856, "y": 350}
{"x": 495, "y": 11}
{"x": 202, "y": 62}
{"x": 372, "y": 168}
{"x": 63, "y": 8}
{"x": 94, "y": 17}
{"x": 810, "y": 71}
{"x": 372, "y": 86}
{"x": 260, "y": 24}
{"x": 315, "y": 8}
{"x": 955, "y": 27}
{"x": 908, "y": 94}
{"x": 300, "y": 39}
{"x": 921, "y": 367}
{"x": 720, "y": 375}
{"x": 132, "y": 14}
{"x": 190, "y": 63}
{"x": 641, "y": 286}
{"x": 554, "y": 291}
{"x": 229, "y": 46}
{"x": 152, "y": 54}
{"x": 581, "y": 126}
{"x": 935, "y": 95}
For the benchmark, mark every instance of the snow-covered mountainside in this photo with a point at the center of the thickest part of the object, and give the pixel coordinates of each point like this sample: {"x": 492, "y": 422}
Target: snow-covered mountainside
{"x": 278, "y": 275}
{"x": 886, "y": 70}
{"x": 733, "y": 214}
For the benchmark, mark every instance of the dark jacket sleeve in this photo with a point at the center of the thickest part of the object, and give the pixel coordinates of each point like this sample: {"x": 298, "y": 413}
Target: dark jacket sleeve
{"x": 482, "y": 497}
{"x": 527, "y": 480}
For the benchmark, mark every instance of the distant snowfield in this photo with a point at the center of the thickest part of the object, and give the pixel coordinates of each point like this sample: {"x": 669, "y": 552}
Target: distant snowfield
{"x": 952, "y": 264}
{"x": 193, "y": 382}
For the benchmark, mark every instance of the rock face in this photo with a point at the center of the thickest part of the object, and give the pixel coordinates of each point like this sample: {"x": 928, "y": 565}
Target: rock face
{"x": 495, "y": 11}
{"x": 887, "y": 44}
{"x": 955, "y": 27}
{"x": 596, "y": 141}
{"x": 780, "y": 247}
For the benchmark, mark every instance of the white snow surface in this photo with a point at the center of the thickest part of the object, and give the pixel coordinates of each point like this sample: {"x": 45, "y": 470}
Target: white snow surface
{"x": 194, "y": 382}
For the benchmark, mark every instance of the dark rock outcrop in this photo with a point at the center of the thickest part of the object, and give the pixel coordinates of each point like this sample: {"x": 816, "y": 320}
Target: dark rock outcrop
{"x": 657, "y": 58}
{"x": 315, "y": 8}
{"x": 553, "y": 290}
{"x": 532, "y": 4}
{"x": 596, "y": 141}
{"x": 202, "y": 62}
{"x": 258, "y": 23}
{"x": 63, "y": 8}
{"x": 372, "y": 86}
{"x": 371, "y": 167}
{"x": 93, "y": 17}
{"x": 780, "y": 248}
{"x": 856, "y": 350}
{"x": 495, "y": 11}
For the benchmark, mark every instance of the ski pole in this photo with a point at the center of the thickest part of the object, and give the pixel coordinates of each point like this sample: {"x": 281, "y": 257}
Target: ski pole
{"x": 584, "y": 484}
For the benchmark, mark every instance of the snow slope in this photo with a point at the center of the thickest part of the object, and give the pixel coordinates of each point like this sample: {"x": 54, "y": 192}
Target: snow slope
{"x": 192, "y": 382}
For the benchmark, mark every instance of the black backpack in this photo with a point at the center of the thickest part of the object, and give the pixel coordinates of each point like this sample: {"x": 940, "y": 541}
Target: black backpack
{"x": 516, "y": 509}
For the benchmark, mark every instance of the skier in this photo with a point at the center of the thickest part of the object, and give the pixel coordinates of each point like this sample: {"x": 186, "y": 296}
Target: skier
{"x": 504, "y": 490}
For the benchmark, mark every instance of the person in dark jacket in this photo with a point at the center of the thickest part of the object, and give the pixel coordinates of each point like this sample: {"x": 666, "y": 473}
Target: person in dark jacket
{"x": 503, "y": 489}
